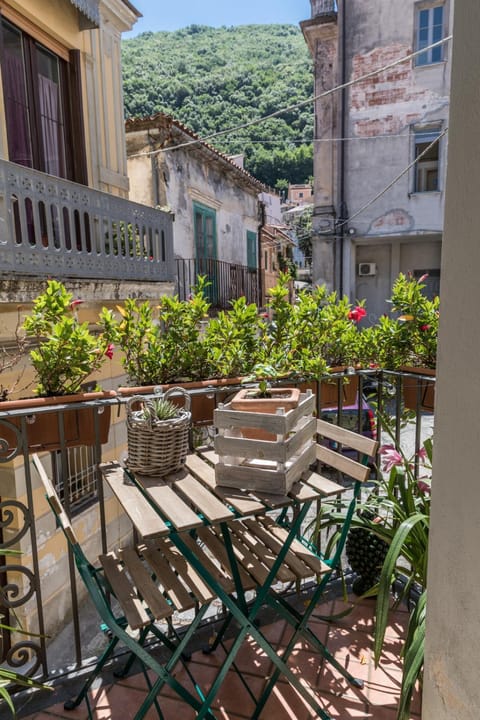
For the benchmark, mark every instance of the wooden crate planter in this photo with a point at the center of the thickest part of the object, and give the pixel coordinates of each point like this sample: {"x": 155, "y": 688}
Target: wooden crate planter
{"x": 271, "y": 466}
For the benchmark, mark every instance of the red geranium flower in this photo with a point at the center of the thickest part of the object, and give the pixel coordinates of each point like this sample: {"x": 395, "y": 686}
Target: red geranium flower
{"x": 109, "y": 350}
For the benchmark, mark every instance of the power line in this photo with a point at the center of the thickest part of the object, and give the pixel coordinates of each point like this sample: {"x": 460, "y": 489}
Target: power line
{"x": 395, "y": 180}
{"x": 324, "y": 94}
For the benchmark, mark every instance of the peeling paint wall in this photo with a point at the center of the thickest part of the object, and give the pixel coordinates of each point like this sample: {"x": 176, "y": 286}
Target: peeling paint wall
{"x": 380, "y": 115}
{"x": 184, "y": 177}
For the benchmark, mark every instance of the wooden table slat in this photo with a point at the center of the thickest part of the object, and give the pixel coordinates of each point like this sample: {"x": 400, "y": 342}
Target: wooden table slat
{"x": 207, "y": 503}
{"x": 141, "y": 513}
{"x": 237, "y": 499}
{"x": 171, "y": 505}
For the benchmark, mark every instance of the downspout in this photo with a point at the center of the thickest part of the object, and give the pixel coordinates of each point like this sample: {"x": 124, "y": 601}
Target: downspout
{"x": 261, "y": 225}
{"x": 342, "y": 205}
{"x": 154, "y": 165}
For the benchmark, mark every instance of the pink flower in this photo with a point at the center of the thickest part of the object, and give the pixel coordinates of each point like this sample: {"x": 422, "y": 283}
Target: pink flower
{"x": 424, "y": 485}
{"x": 425, "y": 327}
{"x": 422, "y": 454}
{"x": 109, "y": 350}
{"x": 423, "y": 278}
{"x": 391, "y": 457}
{"x": 357, "y": 313}
{"x": 74, "y": 304}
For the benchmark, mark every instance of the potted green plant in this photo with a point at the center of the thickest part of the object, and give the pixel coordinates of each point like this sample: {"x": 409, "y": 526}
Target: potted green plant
{"x": 158, "y": 432}
{"x": 408, "y": 341}
{"x": 64, "y": 354}
{"x": 176, "y": 343}
{"x": 397, "y": 513}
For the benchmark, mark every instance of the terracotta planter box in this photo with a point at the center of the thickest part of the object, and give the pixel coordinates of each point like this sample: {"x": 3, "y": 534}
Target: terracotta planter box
{"x": 413, "y": 385}
{"x": 329, "y": 389}
{"x": 203, "y": 404}
{"x": 43, "y": 428}
{"x": 270, "y": 466}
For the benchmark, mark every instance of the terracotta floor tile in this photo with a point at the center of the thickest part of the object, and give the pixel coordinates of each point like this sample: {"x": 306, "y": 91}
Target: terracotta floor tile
{"x": 285, "y": 704}
{"x": 349, "y": 639}
{"x": 251, "y": 658}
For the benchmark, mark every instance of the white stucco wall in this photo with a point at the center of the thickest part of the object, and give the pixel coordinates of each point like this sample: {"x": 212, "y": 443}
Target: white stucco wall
{"x": 451, "y": 686}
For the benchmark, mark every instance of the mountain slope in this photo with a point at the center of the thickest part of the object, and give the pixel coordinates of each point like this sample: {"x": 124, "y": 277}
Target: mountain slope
{"x": 213, "y": 79}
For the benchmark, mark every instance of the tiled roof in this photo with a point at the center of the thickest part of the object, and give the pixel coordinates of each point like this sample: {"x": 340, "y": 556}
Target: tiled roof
{"x": 166, "y": 121}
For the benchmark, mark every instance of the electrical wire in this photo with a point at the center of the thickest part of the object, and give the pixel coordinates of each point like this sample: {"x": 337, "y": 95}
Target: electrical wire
{"x": 324, "y": 94}
{"x": 395, "y": 180}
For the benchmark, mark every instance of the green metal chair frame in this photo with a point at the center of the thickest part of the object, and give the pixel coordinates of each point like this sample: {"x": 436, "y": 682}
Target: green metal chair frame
{"x": 100, "y": 591}
{"x": 267, "y": 596}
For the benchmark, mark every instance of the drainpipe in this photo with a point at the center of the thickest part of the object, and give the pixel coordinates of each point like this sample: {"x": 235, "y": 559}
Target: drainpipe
{"x": 261, "y": 218}
{"x": 342, "y": 205}
{"x": 154, "y": 165}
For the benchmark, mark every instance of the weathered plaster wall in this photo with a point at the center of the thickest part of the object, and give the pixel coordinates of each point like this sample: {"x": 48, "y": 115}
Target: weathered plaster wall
{"x": 177, "y": 179}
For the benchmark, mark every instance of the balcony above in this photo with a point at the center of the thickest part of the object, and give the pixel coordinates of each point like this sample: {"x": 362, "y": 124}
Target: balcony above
{"x": 54, "y": 227}
{"x": 323, "y": 7}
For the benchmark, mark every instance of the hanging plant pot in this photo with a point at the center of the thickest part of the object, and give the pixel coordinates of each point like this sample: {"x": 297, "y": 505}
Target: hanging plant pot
{"x": 417, "y": 384}
{"x": 43, "y": 429}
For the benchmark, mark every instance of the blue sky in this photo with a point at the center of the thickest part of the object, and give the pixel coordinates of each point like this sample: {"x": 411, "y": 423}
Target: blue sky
{"x": 165, "y": 15}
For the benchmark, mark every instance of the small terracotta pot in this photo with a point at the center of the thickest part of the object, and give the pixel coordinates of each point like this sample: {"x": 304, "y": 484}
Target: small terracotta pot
{"x": 282, "y": 397}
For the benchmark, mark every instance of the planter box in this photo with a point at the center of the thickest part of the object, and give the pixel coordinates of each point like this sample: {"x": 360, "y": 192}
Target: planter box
{"x": 413, "y": 385}
{"x": 270, "y": 466}
{"x": 203, "y": 404}
{"x": 43, "y": 428}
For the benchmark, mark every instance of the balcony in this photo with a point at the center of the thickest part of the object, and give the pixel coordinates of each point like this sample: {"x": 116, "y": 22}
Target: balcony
{"x": 54, "y": 227}
{"x": 323, "y": 7}
{"x": 36, "y": 595}
{"x": 227, "y": 280}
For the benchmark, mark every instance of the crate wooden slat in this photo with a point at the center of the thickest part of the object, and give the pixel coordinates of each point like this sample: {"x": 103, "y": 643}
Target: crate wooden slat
{"x": 269, "y": 466}
{"x": 265, "y": 476}
{"x": 278, "y": 424}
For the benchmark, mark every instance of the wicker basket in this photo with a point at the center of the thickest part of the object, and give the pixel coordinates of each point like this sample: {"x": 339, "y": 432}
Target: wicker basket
{"x": 157, "y": 447}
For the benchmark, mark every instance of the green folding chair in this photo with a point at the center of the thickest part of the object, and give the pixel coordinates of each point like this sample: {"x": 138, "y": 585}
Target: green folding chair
{"x": 147, "y": 589}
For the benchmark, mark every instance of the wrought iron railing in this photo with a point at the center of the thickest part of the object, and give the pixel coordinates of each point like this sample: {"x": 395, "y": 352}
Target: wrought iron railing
{"x": 323, "y": 7}
{"x": 50, "y": 226}
{"x": 25, "y": 575}
{"x": 228, "y": 281}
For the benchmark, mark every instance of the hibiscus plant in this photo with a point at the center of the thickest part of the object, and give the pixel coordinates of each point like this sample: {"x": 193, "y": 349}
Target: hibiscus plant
{"x": 65, "y": 351}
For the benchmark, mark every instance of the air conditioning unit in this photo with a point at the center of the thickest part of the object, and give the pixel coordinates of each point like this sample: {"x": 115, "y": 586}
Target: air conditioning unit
{"x": 365, "y": 269}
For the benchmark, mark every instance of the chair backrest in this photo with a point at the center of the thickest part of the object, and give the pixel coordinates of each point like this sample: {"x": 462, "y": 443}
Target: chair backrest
{"x": 334, "y": 434}
{"x": 358, "y": 471}
{"x": 55, "y": 504}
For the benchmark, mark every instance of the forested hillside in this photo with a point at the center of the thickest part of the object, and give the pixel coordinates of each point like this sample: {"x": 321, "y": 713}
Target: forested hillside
{"x": 212, "y": 79}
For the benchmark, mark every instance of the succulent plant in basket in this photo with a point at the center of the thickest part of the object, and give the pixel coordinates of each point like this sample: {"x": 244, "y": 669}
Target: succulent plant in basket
{"x": 158, "y": 432}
